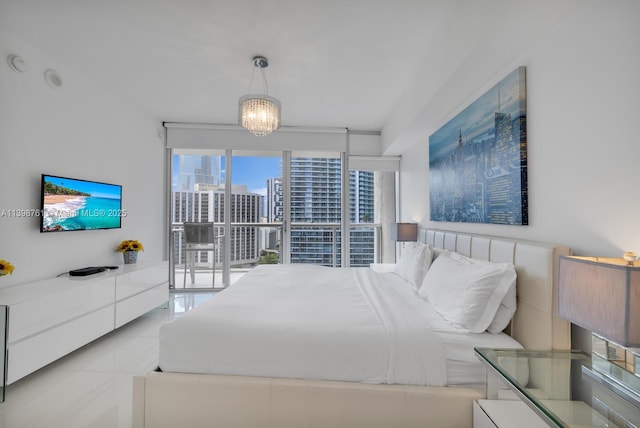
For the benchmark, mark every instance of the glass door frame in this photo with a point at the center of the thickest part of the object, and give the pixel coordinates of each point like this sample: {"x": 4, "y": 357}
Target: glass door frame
{"x": 227, "y": 226}
{"x": 285, "y": 250}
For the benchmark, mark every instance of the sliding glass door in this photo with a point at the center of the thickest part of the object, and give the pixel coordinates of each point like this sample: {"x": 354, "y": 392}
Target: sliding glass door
{"x": 256, "y": 212}
{"x": 247, "y": 230}
{"x": 273, "y": 206}
{"x": 197, "y": 196}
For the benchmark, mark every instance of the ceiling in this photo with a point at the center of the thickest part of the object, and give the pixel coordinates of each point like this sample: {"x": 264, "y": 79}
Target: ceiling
{"x": 400, "y": 67}
{"x": 336, "y": 63}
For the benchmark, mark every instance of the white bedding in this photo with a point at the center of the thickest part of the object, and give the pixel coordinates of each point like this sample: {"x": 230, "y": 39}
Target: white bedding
{"x": 314, "y": 322}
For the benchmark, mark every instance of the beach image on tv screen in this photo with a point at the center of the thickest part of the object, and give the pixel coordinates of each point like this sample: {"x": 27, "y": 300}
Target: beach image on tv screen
{"x": 70, "y": 204}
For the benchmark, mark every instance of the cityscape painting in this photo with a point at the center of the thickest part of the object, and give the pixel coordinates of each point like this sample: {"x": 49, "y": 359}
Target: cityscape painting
{"x": 478, "y": 160}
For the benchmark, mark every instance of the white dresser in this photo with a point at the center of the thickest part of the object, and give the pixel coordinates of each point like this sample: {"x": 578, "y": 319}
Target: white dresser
{"x": 48, "y": 319}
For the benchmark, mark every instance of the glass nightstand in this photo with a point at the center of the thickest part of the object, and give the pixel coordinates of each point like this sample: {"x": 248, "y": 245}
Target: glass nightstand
{"x": 559, "y": 386}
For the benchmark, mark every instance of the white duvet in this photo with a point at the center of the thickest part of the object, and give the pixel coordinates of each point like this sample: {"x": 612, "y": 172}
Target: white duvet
{"x": 312, "y": 322}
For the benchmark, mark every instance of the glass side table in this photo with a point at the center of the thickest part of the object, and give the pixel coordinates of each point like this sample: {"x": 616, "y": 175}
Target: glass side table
{"x": 559, "y": 386}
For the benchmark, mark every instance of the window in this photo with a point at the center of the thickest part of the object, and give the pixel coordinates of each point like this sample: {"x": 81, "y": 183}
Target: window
{"x": 316, "y": 208}
{"x": 272, "y": 204}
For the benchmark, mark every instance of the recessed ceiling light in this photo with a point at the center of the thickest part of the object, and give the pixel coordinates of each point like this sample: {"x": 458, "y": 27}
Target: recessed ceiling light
{"x": 16, "y": 63}
{"x": 52, "y": 78}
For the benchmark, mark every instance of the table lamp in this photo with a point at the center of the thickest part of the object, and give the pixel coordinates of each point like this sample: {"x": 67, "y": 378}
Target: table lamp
{"x": 404, "y": 232}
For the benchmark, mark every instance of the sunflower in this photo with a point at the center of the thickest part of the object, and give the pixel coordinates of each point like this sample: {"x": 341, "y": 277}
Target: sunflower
{"x": 136, "y": 246}
{"x": 5, "y": 268}
{"x": 130, "y": 245}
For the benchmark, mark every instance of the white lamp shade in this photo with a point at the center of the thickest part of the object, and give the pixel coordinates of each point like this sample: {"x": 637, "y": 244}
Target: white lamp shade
{"x": 404, "y": 232}
{"x": 601, "y": 295}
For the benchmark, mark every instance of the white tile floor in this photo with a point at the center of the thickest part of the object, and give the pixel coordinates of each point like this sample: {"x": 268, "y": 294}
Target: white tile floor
{"x": 91, "y": 387}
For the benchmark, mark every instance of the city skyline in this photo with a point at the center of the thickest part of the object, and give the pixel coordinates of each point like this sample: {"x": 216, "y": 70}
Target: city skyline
{"x": 315, "y": 197}
{"x": 505, "y": 97}
{"x": 478, "y": 160}
{"x": 251, "y": 171}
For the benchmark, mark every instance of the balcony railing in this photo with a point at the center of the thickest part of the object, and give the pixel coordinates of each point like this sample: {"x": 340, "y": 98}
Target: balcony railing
{"x": 255, "y": 243}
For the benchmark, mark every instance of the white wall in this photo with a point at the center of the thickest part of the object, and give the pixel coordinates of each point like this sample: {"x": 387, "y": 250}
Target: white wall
{"x": 583, "y": 109}
{"x": 77, "y": 130}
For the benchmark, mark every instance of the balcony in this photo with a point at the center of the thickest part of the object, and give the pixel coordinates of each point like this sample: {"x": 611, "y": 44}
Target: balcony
{"x": 255, "y": 243}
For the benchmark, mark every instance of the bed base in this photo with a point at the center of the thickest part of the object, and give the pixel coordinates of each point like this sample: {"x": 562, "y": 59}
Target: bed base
{"x": 193, "y": 400}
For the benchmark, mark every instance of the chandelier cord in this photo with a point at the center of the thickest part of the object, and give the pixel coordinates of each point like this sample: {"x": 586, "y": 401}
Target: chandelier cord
{"x": 265, "y": 84}
{"x": 253, "y": 71}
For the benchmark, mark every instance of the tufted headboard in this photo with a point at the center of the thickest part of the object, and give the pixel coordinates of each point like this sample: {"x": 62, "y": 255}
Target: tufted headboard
{"x": 536, "y": 324}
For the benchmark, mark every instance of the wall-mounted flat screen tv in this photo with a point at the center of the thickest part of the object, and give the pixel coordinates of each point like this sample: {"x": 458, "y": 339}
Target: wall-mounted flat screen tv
{"x": 72, "y": 204}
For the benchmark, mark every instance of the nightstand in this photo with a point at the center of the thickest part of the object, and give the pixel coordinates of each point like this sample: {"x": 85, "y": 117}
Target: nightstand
{"x": 540, "y": 389}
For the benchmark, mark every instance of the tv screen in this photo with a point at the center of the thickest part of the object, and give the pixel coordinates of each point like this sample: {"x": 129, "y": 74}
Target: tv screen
{"x": 72, "y": 204}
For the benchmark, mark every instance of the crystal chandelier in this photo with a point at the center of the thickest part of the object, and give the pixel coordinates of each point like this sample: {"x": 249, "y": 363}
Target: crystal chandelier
{"x": 259, "y": 113}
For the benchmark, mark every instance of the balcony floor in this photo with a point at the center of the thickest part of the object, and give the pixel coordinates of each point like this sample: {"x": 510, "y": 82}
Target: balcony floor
{"x": 203, "y": 279}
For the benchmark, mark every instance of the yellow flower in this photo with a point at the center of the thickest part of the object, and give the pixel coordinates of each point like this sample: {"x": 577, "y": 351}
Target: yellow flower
{"x": 130, "y": 245}
{"x": 124, "y": 246}
{"x": 136, "y": 246}
{"x": 5, "y": 268}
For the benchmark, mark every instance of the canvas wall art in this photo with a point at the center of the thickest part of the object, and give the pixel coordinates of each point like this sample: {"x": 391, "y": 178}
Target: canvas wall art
{"x": 478, "y": 160}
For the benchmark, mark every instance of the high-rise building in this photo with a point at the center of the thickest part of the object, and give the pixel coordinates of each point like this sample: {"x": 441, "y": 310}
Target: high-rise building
{"x": 361, "y": 196}
{"x": 206, "y": 204}
{"x": 274, "y": 199}
{"x": 315, "y": 190}
{"x": 316, "y": 198}
{"x": 361, "y": 210}
{"x": 197, "y": 169}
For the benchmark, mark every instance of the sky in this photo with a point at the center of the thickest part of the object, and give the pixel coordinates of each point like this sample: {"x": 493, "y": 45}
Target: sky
{"x": 97, "y": 190}
{"x": 252, "y": 171}
{"x": 479, "y": 116}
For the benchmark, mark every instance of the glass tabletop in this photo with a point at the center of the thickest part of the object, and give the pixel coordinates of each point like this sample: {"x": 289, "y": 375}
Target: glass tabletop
{"x": 561, "y": 387}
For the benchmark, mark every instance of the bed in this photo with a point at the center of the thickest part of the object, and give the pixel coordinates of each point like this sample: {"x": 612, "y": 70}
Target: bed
{"x": 290, "y": 375}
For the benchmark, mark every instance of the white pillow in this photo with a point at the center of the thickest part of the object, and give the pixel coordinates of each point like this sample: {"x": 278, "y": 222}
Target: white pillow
{"x": 467, "y": 292}
{"x": 436, "y": 252}
{"x": 505, "y": 312}
{"x": 414, "y": 263}
{"x": 507, "y": 307}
